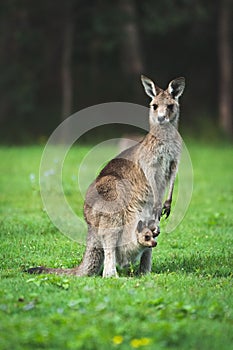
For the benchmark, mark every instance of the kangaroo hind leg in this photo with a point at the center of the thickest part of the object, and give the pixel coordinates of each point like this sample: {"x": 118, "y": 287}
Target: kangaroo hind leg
{"x": 110, "y": 241}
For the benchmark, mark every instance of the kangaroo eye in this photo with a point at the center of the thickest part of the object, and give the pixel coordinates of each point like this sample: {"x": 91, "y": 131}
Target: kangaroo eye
{"x": 155, "y": 106}
{"x": 147, "y": 238}
{"x": 170, "y": 107}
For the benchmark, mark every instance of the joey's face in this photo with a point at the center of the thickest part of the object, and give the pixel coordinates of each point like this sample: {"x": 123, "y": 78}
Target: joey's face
{"x": 163, "y": 109}
{"x": 146, "y": 239}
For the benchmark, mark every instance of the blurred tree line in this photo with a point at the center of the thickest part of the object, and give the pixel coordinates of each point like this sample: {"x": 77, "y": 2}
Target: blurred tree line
{"x": 57, "y": 57}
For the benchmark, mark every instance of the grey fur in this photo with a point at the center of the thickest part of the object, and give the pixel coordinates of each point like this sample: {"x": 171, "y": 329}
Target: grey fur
{"x": 93, "y": 259}
{"x": 131, "y": 188}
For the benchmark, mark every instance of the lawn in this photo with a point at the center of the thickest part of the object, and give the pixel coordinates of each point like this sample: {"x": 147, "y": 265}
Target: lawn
{"x": 185, "y": 303}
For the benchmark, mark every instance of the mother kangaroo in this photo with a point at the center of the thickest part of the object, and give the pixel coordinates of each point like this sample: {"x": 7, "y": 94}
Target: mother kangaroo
{"x": 131, "y": 188}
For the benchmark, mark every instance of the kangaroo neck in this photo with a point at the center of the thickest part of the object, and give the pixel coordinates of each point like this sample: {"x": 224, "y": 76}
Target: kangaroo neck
{"x": 163, "y": 132}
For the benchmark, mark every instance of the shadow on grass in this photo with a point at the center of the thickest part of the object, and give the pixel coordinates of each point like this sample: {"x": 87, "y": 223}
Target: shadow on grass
{"x": 200, "y": 264}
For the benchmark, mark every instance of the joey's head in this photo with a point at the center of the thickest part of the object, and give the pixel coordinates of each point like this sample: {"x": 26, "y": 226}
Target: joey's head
{"x": 164, "y": 105}
{"x": 145, "y": 236}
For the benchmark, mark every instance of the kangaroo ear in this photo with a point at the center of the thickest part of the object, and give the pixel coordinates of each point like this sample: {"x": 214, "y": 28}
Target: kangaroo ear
{"x": 176, "y": 87}
{"x": 140, "y": 226}
{"x": 149, "y": 86}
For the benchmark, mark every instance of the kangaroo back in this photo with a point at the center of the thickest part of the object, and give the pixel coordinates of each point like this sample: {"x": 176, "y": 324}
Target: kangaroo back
{"x": 131, "y": 187}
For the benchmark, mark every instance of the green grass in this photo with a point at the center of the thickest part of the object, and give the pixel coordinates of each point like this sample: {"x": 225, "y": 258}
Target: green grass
{"x": 185, "y": 303}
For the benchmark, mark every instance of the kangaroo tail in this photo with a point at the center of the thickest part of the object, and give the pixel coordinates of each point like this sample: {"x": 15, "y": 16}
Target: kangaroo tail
{"x": 91, "y": 265}
{"x": 45, "y": 270}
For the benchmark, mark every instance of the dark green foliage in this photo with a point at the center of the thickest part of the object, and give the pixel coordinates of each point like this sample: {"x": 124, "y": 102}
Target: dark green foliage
{"x": 175, "y": 38}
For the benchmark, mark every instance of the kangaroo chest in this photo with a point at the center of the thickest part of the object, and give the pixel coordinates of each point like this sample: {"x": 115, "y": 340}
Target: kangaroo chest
{"x": 157, "y": 165}
{"x": 162, "y": 163}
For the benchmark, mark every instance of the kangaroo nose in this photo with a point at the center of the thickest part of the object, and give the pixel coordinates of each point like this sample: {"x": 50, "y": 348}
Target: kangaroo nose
{"x": 161, "y": 118}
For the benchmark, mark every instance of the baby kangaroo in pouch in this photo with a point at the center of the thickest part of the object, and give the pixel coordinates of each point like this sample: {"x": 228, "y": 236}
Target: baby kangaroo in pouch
{"x": 123, "y": 206}
{"x": 125, "y": 254}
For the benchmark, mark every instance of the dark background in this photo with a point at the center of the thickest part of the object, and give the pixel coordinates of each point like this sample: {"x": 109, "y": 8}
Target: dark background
{"x": 57, "y": 57}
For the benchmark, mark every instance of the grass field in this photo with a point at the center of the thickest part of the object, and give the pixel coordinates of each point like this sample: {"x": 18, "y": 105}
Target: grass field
{"x": 185, "y": 303}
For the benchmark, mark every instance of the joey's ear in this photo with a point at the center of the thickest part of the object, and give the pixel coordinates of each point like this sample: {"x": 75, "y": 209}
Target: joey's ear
{"x": 152, "y": 225}
{"x": 176, "y": 87}
{"x": 140, "y": 226}
{"x": 149, "y": 86}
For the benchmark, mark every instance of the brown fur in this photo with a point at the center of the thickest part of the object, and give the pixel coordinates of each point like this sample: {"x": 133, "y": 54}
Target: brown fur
{"x": 125, "y": 255}
{"x": 131, "y": 188}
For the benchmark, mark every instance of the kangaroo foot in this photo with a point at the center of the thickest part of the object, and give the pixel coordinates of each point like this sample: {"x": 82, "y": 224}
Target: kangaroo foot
{"x": 110, "y": 274}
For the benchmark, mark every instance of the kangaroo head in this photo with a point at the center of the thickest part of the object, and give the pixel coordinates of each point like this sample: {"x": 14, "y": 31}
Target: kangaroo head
{"x": 145, "y": 236}
{"x": 164, "y": 105}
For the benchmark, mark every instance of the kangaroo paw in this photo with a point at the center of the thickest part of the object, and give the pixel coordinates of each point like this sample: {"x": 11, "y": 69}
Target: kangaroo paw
{"x": 166, "y": 209}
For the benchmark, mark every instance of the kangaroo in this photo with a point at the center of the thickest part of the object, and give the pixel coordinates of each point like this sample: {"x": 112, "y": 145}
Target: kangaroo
{"x": 131, "y": 188}
{"x": 125, "y": 254}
